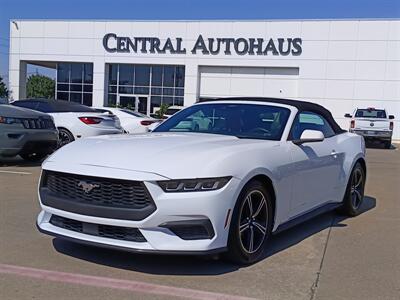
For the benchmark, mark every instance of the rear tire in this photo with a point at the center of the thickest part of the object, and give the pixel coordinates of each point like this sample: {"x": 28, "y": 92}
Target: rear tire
{"x": 354, "y": 195}
{"x": 251, "y": 224}
{"x": 64, "y": 137}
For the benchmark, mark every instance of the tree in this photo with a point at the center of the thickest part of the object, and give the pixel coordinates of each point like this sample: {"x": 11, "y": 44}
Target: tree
{"x": 40, "y": 86}
{"x": 3, "y": 89}
{"x": 162, "y": 110}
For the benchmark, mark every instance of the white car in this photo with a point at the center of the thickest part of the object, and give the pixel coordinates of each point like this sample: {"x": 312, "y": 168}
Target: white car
{"x": 73, "y": 120}
{"x": 262, "y": 166}
{"x": 372, "y": 124}
{"x": 131, "y": 121}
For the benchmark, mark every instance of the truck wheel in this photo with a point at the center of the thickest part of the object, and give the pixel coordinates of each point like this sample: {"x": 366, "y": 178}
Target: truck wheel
{"x": 33, "y": 156}
{"x": 388, "y": 144}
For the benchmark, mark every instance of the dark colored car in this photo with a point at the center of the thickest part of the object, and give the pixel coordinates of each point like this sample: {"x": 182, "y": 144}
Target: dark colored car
{"x": 27, "y": 133}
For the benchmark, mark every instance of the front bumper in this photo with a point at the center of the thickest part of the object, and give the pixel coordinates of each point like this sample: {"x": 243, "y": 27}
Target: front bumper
{"x": 15, "y": 141}
{"x": 374, "y": 134}
{"x": 214, "y": 207}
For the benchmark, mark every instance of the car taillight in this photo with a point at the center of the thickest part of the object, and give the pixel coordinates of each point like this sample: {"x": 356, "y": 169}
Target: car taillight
{"x": 90, "y": 120}
{"x": 147, "y": 122}
{"x": 391, "y": 125}
{"x": 352, "y": 124}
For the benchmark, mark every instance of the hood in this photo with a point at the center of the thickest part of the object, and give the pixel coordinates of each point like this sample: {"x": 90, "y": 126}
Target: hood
{"x": 19, "y": 112}
{"x": 171, "y": 155}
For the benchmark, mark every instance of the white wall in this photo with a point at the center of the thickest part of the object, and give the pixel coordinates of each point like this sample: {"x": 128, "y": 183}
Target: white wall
{"x": 344, "y": 64}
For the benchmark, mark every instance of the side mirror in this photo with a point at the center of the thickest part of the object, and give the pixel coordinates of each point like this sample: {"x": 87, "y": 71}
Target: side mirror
{"x": 347, "y": 115}
{"x": 391, "y": 117}
{"x": 310, "y": 136}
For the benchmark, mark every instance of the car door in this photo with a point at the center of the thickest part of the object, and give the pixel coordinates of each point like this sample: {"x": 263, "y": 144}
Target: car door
{"x": 316, "y": 166}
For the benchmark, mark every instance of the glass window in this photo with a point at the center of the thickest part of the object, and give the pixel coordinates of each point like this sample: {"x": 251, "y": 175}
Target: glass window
{"x": 241, "y": 120}
{"x": 125, "y": 90}
{"x": 156, "y": 75}
{"x": 112, "y": 100}
{"x": 87, "y": 99}
{"x": 112, "y": 89}
{"x": 155, "y": 103}
{"x": 88, "y": 73}
{"x": 169, "y": 76}
{"x": 168, "y": 100}
{"x": 112, "y": 73}
{"x": 75, "y": 97}
{"x": 76, "y": 87}
{"x": 126, "y": 73}
{"x": 62, "y": 96}
{"x": 142, "y": 75}
{"x": 178, "y": 101}
{"x": 371, "y": 113}
{"x": 142, "y": 90}
{"x": 63, "y": 72}
{"x": 63, "y": 87}
{"x": 168, "y": 91}
{"x": 88, "y": 88}
{"x": 180, "y": 76}
{"x": 76, "y": 73}
{"x": 156, "y": 91}
{"x": 312, "y": 121}
{"x": 179, "y": 92}
{"x": 26, "y": 104}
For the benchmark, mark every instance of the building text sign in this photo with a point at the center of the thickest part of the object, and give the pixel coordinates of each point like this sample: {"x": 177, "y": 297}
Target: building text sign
{"x": 208, "y": 46}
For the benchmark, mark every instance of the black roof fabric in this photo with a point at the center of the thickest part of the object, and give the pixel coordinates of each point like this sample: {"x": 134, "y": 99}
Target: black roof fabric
{"x": 300, "y": 105}
{"x": 61, "y": 105}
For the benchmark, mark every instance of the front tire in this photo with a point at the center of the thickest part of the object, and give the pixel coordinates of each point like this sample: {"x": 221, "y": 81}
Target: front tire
{"x": 388, "y": 144}
{"x": 251, "y": 224}
{"x": 354, "y": 195}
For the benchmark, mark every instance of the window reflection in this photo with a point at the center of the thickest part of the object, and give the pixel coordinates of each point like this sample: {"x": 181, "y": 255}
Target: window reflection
{"x": 163, "y": 84}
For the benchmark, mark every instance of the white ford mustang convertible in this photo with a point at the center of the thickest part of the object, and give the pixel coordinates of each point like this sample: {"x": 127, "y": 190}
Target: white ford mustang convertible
{"x": 255, "y": 167}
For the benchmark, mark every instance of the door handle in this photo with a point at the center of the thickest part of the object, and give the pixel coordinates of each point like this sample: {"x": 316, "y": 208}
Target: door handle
{"x": 334, "y": 154}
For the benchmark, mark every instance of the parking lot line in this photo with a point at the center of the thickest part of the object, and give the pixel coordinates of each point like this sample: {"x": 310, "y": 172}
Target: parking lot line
{"x": 16, "y": 172}
{"x": 106, "y": 282}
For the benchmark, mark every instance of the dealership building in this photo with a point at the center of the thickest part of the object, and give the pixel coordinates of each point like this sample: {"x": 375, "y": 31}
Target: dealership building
{"x": 341, "y": 64}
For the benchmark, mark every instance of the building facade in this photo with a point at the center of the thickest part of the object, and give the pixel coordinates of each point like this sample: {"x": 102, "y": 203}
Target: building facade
{"x": 341, "y": 64}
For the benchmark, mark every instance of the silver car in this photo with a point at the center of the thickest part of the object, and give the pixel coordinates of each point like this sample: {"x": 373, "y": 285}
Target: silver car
{"x": 27, "y": 133}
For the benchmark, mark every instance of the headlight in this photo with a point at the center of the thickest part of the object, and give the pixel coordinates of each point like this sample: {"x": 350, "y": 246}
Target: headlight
{"x": 193, "y": 185}
{"x": 7, "y": 120}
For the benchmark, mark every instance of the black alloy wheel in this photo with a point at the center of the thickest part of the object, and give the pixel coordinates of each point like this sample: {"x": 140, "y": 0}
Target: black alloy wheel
{"x": 354, "y": 195}
{"x": 251, "y": 224}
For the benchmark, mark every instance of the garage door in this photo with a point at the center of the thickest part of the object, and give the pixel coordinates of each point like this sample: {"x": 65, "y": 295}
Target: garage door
{"x": 248, "y": 81}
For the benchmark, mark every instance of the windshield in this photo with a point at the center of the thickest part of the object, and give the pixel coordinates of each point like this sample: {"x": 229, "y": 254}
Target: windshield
{"x": 251, "y": 121}
{"x": 371, "y": 113}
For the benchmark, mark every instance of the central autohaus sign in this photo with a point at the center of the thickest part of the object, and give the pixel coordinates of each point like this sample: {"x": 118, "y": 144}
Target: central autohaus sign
{"x": 208, "y": 46}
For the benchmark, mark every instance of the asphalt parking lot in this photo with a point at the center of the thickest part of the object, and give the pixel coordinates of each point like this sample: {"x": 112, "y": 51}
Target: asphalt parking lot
{"x": 329, "y": 257}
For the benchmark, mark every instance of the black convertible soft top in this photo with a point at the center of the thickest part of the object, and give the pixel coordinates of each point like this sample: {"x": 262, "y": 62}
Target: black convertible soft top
{"x": 300, "y": 105}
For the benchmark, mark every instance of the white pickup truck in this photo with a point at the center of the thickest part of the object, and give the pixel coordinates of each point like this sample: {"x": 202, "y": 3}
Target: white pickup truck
{"x": 372, "y": 124}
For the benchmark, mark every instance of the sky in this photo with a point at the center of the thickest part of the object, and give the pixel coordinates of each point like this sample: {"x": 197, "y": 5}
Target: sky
{"x": 186, "y": 10}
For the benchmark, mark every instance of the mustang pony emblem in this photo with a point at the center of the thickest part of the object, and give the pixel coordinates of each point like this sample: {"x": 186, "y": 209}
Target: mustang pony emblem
{"x": 87, "y": 187}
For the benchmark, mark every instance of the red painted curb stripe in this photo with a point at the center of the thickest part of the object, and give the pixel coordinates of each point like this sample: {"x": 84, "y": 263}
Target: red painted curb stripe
{"x": 128, "y": 285}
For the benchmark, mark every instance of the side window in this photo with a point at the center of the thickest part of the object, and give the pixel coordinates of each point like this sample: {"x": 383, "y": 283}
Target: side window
{"x": 309, "y": 120}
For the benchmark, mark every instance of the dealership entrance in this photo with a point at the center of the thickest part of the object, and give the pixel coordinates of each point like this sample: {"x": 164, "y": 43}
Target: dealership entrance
{"x": 139, "y": 103}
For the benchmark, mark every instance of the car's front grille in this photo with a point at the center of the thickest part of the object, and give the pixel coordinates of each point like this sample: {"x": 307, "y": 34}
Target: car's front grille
{"x": 98, "y": 191}
{"x": 96, "y": 196}
{"x": 106, "y": 231}
{"x": 38, "y": 123}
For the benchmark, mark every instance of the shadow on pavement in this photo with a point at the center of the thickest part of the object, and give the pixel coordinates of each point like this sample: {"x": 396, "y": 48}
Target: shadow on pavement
{"x": 17, "y": 161}
{"x": 378, "y": 145}
{"x": 192, "y": 265}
